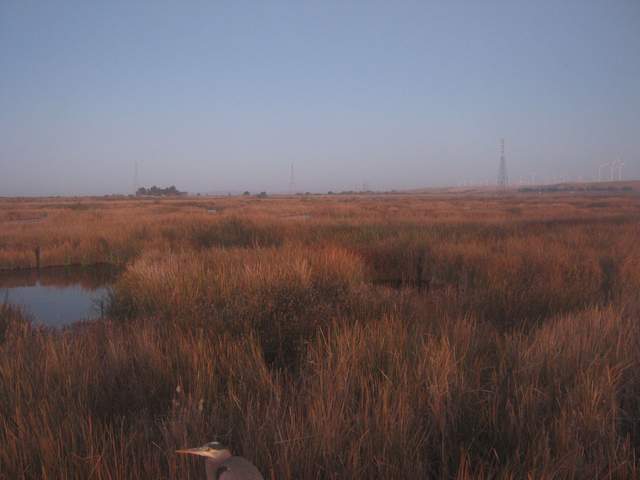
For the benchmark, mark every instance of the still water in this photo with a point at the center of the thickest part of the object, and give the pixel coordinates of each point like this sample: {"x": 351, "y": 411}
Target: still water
{"x": 58, "y": 296}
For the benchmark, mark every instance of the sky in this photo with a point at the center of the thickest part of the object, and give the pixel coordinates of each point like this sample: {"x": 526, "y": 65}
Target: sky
{"x": 218, "y": 96}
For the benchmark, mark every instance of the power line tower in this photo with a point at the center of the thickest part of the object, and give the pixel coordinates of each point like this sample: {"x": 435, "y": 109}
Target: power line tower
{"x": 292, "y": 181}
{"x": 136, "y": 179}
{"x": 503, "y": 180}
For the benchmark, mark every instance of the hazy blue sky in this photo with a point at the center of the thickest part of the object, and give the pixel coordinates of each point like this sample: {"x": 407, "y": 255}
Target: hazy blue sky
{"x": 216, "y": 95}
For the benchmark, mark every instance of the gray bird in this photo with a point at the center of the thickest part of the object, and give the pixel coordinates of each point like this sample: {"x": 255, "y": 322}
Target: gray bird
{"x": 221, "y": 465}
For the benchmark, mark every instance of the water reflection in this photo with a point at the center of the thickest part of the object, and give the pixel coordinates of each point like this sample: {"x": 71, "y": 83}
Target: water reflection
{"x": 58, "y": 296}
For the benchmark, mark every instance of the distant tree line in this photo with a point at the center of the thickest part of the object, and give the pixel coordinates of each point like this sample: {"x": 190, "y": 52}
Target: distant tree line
{"x": 155, "y": 191}
{"x": 246, "y": 193}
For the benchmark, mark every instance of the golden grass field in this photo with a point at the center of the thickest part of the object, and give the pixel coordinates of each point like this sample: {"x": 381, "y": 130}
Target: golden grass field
{"x": 396, "y": 336}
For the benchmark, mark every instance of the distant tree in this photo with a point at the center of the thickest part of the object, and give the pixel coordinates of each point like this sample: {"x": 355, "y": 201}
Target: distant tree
{"x": 246, "y": 193}
{"x": 262, "y": 195}
{"x": 156, "y": 191}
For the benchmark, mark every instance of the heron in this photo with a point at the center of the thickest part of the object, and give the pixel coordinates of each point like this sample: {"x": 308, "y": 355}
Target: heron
{"x": 222, "y": 465}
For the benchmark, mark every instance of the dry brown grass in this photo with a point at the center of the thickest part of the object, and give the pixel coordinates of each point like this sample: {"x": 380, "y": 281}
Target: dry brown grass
{"x": 380, "y": 337}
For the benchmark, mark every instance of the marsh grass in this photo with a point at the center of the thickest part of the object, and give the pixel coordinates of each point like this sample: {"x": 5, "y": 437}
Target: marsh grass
{"x": 347, "y": 346}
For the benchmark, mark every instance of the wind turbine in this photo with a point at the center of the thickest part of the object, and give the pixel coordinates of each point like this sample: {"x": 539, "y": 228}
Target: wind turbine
{"x": 613, "y": 166}
{"x": 620, "y": 165}
{"x": 608, "y": 164}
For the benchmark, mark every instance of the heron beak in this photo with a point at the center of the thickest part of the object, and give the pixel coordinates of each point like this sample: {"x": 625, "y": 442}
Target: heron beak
{"x": 194, "y": 451}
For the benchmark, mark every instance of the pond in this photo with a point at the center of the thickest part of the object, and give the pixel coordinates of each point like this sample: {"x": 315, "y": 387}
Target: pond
{"x": 58, "y": 296}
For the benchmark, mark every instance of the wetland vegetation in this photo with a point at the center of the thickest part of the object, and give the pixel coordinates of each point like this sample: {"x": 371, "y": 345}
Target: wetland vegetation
{"x": 396, "y": 336}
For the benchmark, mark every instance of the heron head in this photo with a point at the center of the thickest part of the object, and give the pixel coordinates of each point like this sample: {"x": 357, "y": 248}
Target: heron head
{"x": 214, "y": 450}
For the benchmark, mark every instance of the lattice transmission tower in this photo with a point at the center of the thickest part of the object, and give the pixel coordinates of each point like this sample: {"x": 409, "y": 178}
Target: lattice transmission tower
{"x": 503, "y": 179}
{"x": 292, "y": 181}
{"x": 136, "y": 177}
